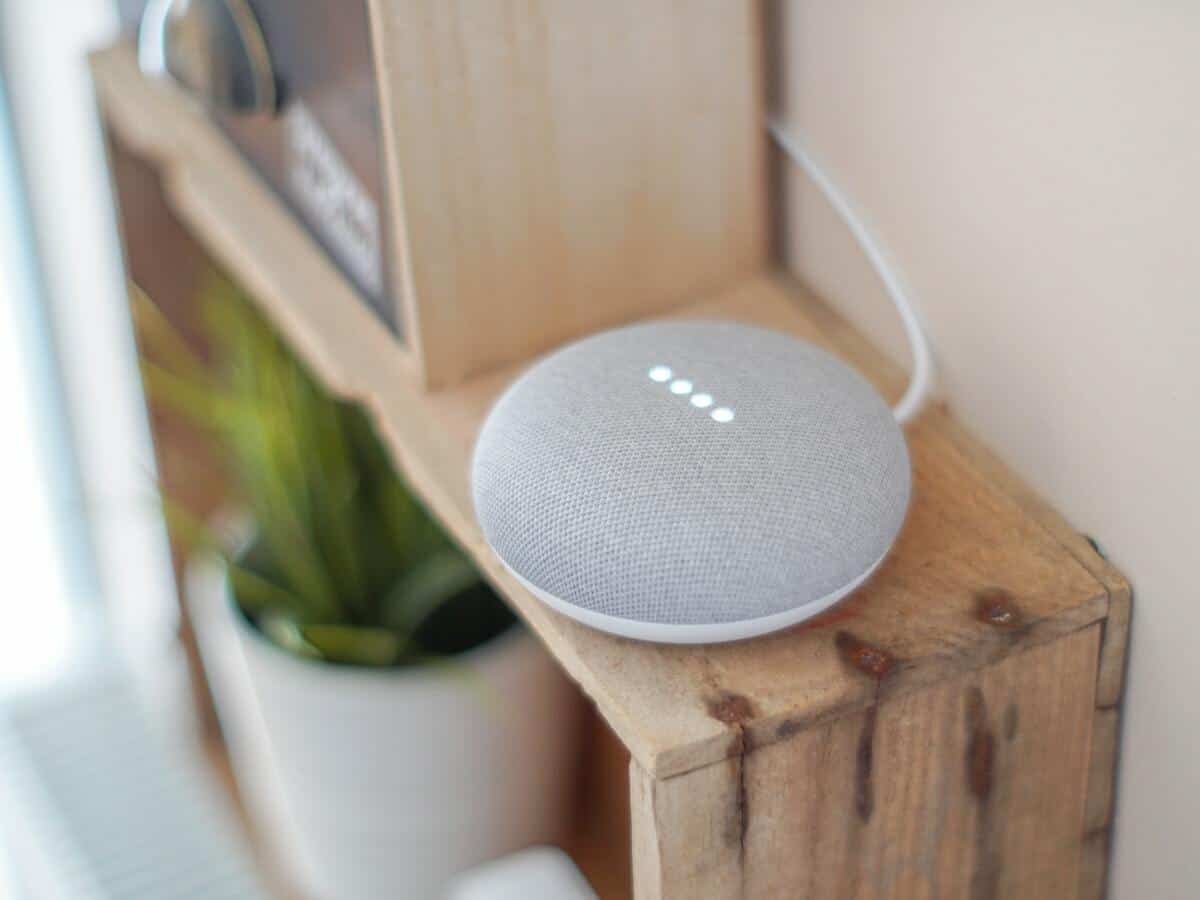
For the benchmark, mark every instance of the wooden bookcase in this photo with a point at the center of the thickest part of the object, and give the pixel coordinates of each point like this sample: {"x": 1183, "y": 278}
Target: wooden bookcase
{"x": 950, "y": 730}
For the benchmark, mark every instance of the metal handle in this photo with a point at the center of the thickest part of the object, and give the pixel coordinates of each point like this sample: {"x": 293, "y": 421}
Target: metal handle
{"x": 214, "y": 48}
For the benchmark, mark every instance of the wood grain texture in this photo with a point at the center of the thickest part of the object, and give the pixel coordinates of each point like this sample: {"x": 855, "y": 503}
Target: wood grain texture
{"x": 682, "y": 840}
{"x": 973, "y": 787}
{"x": 562, "y": 165}
{"x": 601, "y": 841}
{"x": 965, "y": 533}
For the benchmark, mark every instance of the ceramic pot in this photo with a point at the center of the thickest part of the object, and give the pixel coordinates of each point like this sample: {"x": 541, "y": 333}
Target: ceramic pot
{"x": 383, "y": 783}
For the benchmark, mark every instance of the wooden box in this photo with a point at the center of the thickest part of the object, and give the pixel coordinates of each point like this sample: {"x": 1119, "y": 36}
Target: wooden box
{"x": 557, "y": 167}
{"x": 949, "y": 731}
{"x": 501, "y": 175}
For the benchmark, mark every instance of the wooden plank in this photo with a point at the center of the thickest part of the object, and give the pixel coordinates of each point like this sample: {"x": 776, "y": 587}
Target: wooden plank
{"x": 563, "y": 166}
{"x": 601, "y": 840}
{"x": 1103, "y": 761}
{"x": 965, "y": 535}
{"x": 1093, "y": 865}
{"x": 973, "y": 787}
{"x": 1101, "y": 796}
{"x": 683, "y": 845}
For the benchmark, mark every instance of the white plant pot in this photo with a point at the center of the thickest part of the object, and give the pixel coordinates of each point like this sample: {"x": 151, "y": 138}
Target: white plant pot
{"x": 373, "y": 783}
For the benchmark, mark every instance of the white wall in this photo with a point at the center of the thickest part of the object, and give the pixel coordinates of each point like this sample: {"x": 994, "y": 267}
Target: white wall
{"x": 1033, "y": 167}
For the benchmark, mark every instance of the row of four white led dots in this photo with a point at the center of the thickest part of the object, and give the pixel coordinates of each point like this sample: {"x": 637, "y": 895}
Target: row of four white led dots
{"x": 683, "y": 388}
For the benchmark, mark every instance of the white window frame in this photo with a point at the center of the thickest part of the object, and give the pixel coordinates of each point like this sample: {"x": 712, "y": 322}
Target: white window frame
{"x": 70, "y": 199}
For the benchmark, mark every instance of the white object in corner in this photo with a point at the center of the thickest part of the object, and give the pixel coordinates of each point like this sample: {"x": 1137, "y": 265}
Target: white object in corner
{"x": 542, "y": 872}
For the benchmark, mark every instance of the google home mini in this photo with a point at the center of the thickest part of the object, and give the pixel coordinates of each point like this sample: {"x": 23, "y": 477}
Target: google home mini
{"x": 691, "y": 481}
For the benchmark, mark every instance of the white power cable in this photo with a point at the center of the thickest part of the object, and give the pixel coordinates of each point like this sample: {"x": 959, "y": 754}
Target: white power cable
{"x": 921, "y": 384}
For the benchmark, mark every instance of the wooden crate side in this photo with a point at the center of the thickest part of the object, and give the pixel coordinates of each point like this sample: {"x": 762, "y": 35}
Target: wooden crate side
{"x": 1101, "y": 795}
{"x": 687, "y": 833}
{"x": 974, "y": 787}
{"x": 1093, "y": 865}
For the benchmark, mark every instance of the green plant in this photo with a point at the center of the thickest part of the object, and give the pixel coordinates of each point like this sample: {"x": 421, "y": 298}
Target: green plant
{"x": 346, "y": 565}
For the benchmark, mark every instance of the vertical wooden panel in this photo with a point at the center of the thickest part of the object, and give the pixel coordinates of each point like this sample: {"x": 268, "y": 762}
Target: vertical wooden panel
{"x": 600, "y": 844}
{"x": 974, "y": 787}
{"x": 562, "y": 165}
{"x": 687, "y": 833}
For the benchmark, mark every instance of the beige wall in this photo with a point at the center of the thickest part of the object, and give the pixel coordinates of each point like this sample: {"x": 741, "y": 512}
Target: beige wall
{"x": 1033, "y": 167}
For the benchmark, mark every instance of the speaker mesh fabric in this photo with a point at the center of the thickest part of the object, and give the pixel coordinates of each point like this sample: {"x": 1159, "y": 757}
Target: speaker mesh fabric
{"x": 604, "y": 488}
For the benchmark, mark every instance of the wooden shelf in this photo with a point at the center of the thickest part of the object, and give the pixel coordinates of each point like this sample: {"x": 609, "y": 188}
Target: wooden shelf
{"x": 973, "y": 527}
{"x": 965, "y": 533}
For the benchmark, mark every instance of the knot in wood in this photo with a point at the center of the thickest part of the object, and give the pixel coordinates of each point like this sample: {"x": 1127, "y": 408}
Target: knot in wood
{"x": 730, "y": 708}
{"x": 867, "y": 658}
{"x": 996, "y": 607}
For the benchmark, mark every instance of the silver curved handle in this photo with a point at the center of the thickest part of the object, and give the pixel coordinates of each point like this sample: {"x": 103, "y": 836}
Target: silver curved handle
{"x": 213, "y": 48}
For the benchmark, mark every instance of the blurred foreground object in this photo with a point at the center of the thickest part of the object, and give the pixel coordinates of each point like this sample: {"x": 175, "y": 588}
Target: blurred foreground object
{"x": 214, "y": 48}
{"x": 544, "y": 872}
{"x": 96, "y": 802}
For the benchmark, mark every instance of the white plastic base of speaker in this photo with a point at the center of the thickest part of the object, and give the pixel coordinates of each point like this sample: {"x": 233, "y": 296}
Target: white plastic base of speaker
{"x": 712, "y": 633}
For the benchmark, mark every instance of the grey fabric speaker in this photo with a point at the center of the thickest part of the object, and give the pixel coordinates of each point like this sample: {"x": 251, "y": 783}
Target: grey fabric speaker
{"x": 691, "y": 481}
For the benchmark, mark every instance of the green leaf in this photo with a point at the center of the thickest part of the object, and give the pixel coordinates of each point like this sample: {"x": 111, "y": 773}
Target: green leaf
{"x": 256, "y": 594}
{"x": 284, "y": 631}
{"x": 164, "y": 339}
{"x": 354, "y": 644}
{"x": 425, "y": 587}
{"x": 195, "y": 401}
